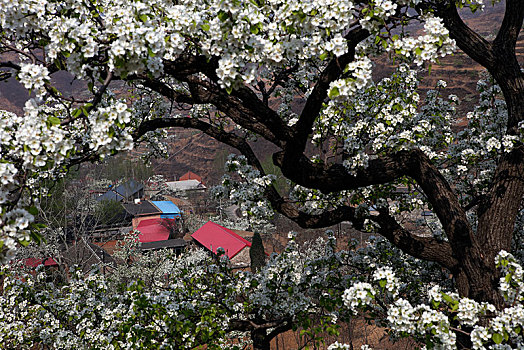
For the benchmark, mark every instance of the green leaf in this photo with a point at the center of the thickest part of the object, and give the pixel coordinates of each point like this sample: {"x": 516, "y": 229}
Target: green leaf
{"x": 150, "y": 52}
{"x": 323, "y": 56}
{"x": 418, "y": 51}
{"x": 33, "y": 211}
{"x": 143, "y": 18}
{"x": 447, "y": 298}
{"x": 497, "y": 338}
{"x": 24, "y": 243}
{"x": 334, "y": 92}
{"x": 77, "y": 113}
{"x": 53, "y": 120}
{"x": 223, "y": 16}
{"x": 205, "y": 27}
{"x": 36, "y": 237}
{"x": 55, "y": 91}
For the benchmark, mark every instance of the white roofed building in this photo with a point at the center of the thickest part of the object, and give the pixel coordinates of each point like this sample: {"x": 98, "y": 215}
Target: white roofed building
{"x": 190, "y": 185}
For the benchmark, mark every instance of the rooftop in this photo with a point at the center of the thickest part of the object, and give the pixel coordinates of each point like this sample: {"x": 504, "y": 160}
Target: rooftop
{"x": 152, "y": 230}
{"x": 213, "y": 236}
{"x": 185, "y": 185}
{"x": 166, "y": 207}
{"x": 142, "y": 208}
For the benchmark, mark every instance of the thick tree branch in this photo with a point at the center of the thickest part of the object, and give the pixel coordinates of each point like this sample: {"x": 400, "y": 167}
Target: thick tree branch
{"x": 187, "y": 65}
{"x": 283, "y": 327}
{"x": 9, "y": 64}
{"x": 314, "y": 102}
{"x": 414, "y": 164}
{"x": 511, "y": 25}
{"x": 263, "y": 114}
{"x": 211, "y": 130}
{"x": 473, "y": 44}
{"x": 279, "y": 79}
{"x": 243, "y": 99}
{"x": 335, "y": 177}
{"x": 249, "y": 325}
{"x": 498, "y": 57}
{"x": 305, "y": 220}
{"x": 242, "y": 114}
{"x": 426, "y": 248}
{"x": 502, "y": 202}
{"x": 444, "y": 201}
{"x": 166, "y": 91}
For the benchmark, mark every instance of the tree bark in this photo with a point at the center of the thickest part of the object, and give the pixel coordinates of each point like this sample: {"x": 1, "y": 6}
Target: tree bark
{"x": 476, "y": 275}
{"x": 260, "y": 340}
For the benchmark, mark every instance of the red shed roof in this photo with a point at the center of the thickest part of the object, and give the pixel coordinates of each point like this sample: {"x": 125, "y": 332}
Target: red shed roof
{"x": 152, "y": 230}
{"x": 212, "y": 236}
{"x": 33, "y": 262}
{"x": 190, "y": 176}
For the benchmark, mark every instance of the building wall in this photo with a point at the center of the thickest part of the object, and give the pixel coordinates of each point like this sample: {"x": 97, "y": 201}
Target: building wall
{"x": 242, "y": 258}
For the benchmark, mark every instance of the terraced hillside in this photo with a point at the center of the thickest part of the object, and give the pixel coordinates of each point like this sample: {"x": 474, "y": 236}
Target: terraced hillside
{"x": 194, "y": 151}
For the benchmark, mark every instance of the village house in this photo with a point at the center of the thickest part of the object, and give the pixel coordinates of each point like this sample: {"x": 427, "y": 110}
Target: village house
{"x": 213, "y": 236}
{"x": 191, "y": 176}
{"x": 128, "y": 191}
{"x": 187, "y": 186}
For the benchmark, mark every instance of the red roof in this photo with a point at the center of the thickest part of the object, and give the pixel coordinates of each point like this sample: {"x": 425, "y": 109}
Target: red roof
{"x": 212, "y": 236}
{"x": 33, "y": 262}
{"x": 190, "y": 176}
{"x": 152, "y": 230}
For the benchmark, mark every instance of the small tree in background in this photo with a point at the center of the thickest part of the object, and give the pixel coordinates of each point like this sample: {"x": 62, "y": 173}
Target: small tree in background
{"x": 256, "y": 253}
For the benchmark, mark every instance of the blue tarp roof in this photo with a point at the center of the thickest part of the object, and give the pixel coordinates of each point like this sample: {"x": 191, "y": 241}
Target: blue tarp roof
{"x": 167, "y": 207}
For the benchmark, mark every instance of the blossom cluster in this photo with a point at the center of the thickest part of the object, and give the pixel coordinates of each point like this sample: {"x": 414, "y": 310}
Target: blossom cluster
{"x": 385, "y": 117}
{"x": 248, "y": 193}
{"x": 446, "y": 311}
{"x": 182, "y": 301}
{"x": 39, "y": 145}
{"x": 33, "y": 77}
{"x": 436, "y": 43}
{"x": 472, "y": 156}
{"x": 193, "y": 296}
